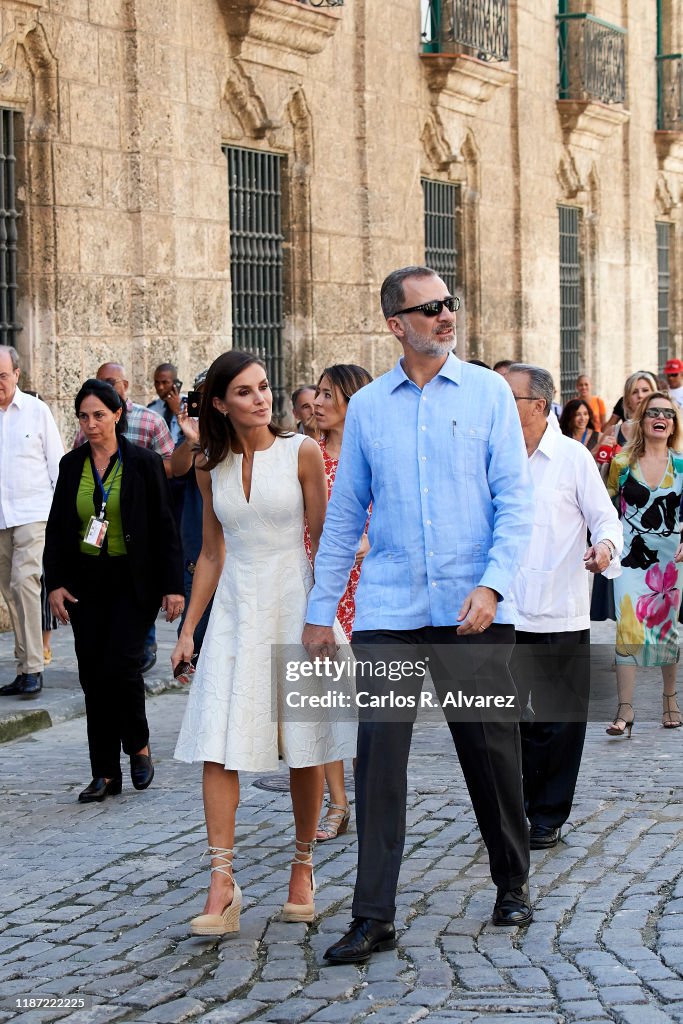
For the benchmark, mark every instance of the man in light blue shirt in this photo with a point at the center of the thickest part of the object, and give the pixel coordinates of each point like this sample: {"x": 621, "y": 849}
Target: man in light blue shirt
{"x": 436, "y": 446}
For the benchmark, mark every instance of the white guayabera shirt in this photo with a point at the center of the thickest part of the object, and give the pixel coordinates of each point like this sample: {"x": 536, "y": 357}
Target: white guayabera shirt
{"x": 30, "y": 450}
{"x": 551, "y": 590}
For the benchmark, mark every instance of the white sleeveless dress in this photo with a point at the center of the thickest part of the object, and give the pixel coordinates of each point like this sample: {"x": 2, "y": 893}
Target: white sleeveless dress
{"x": 260, "y": 601}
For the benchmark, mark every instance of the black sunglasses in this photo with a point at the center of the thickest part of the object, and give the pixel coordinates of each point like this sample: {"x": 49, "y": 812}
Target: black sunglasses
{"x": 653, "y": 413}
{"x": 434, "y": 307}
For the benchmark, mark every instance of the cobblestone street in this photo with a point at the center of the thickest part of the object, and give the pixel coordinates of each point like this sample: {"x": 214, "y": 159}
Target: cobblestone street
{"x": 95, "y": 900}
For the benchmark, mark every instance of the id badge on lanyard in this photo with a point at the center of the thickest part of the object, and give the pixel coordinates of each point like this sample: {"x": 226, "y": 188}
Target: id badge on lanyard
{"x": 97, "y": 527}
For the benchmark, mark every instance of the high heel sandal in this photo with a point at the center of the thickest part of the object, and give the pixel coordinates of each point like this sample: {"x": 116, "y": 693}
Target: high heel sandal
{"x": 613, "y": 729}
{"x": 334, "y": 823}
{"x": 670, "y": 724}
{"x": 229, "y": 920}
{"x": 293, "y": 913}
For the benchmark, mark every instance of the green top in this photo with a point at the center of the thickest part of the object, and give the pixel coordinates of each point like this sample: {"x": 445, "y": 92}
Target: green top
{"x": 115, "y": 543}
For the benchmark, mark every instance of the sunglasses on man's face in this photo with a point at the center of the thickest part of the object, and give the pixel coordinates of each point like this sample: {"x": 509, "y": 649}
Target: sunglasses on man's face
{"x": 433, "y": 308}
{"x": 658, "y": 414}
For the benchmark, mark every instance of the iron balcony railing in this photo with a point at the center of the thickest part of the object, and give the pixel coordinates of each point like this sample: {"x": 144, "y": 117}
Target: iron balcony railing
{"x": 592, "y": 59}
{"x": 322, "y": 3}
{"x": 670, "y": 92}
{"x": 480, "y": 28}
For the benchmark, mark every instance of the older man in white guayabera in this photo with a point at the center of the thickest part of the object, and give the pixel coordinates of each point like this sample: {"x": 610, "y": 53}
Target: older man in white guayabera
{"x": 551, "y": 663}
{"x": 30, "y": 450}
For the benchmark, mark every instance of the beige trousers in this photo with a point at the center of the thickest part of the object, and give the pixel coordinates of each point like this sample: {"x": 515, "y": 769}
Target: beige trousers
{"x": 21, "y": 566}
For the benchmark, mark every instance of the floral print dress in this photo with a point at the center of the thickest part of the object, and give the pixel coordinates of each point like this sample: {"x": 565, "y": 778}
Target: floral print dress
{"x": 346, "y": 610}
{"x": 647, "y": 594}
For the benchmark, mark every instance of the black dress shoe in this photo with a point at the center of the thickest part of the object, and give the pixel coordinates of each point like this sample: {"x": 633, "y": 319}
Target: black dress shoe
{"x": 99, "y": 789}
{"x": 12, "y": 689}
{"x": 512, "y": 907}
{"x": 365, "y": 936}
{"x": 32, "y": 685}
{"x": 149, "y": 659}
{"x": 543, "y": 837}
{"x": 141, "y": 769}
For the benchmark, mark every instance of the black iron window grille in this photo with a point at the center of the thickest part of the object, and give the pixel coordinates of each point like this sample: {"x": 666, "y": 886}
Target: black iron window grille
{"x": 592, "y": 59}
{"x": 441, "y": 230}
{"x": 663, "y": 292}
{"x": 570, "y": 299}
{"x": 670, "y": 92}
{"x": 256, "y": 259}
{"x": 478, "y": 27}
{"x": 9, "y": 323}
{"x": 322, "y": 3}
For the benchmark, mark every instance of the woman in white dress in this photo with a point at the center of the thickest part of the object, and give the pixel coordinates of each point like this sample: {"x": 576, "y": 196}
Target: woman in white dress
{"x": 257, "y": 482}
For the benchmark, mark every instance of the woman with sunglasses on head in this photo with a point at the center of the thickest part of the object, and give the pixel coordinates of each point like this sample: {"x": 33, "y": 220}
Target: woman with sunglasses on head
{"x": 335, "y": 387}
{"x": 257, "y": 483}
{"x": 637, "y": 387}
{"x": 112, "y": 558}
{"x": 647, "y": 480}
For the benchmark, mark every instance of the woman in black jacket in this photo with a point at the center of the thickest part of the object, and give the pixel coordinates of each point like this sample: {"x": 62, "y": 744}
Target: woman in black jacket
{"x": 112, "y": 557}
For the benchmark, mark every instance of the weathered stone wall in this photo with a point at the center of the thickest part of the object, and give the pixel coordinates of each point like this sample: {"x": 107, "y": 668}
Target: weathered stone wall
{"x": 123, "y": 183}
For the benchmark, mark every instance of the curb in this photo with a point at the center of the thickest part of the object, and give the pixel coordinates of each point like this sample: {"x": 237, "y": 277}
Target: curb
{"x": 22, "y": 723}
{"x": 16, "y": 724}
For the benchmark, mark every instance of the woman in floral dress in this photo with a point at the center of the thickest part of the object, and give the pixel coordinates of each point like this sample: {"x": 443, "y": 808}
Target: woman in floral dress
{"x": 648, "y": 478}
{"x": 334, "y": 390}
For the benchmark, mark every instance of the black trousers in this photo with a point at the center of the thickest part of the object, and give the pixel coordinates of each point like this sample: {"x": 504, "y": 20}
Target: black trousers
{"x": 553, "y": 669}
{"x": 110, "y": 626}
{"x": 488, "y": 750}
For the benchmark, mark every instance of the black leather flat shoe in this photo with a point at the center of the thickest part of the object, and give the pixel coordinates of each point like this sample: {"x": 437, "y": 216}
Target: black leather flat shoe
{"x": 543, "y": 837}
{"x": 365, "y": 936}
{"x": 31, "y": 685}
{"x": 512, "y": 907}
{"x": 141, "y": 769}
{"x": 98, "y": 789}
{"x": 12, "y": 689}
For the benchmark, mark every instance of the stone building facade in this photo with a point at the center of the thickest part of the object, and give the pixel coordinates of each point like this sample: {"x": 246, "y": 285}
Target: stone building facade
{"x": 533, "y": 150}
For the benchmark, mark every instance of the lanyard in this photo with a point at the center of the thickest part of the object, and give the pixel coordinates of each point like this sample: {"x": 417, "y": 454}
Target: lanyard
{"x": 585, "y": 435}
{"x": 105, "y": 494}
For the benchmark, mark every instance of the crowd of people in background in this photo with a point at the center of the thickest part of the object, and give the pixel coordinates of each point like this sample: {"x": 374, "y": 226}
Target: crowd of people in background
{"x": 199, "y": 504}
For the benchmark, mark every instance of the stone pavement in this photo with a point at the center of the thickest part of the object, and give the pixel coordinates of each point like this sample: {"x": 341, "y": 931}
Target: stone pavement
{"x": 95, "y": 900}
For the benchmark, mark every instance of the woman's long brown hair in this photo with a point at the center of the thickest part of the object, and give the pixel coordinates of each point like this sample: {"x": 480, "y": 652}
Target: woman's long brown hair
{"x": 216, "y": 432}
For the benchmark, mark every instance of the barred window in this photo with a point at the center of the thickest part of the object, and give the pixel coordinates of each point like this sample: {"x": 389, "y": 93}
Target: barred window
{"x": 9, "y": 323}
{"x": 663, "y": 292}
{"x": 256, "y": 259}
{"x": 571, "y": 325}
{"x": 441, "y": 202}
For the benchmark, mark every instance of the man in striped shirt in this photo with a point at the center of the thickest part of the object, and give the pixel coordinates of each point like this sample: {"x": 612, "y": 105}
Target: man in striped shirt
{"x": 145, "y": 427}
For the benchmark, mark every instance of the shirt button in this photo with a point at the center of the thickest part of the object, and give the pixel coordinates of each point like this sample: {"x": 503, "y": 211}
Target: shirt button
{"x": 431, "y": 554}
{"x": 426, "y": 490}
{"x": 424, "y": 458}
{"x": 424, "y": 398}
{"x": 429, "y": 522}
{"x": 433, "y": 584}
{"x": 423, "y": 427}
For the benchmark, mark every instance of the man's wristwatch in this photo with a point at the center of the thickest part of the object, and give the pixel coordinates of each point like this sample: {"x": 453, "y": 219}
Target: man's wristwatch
{"x": 610, "y": 546}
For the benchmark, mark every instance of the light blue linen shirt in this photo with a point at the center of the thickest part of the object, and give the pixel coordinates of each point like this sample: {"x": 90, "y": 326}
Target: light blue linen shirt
{"x": 446, "y": 470}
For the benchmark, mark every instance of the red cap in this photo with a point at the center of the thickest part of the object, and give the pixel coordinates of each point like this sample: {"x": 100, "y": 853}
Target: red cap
{"x": 674, "y": 366}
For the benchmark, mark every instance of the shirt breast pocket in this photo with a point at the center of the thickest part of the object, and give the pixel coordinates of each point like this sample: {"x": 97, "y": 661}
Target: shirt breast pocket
{"x": 469, "y": 449}
{"x": 550, "y": 503}
{"x": 381, "y": 460}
